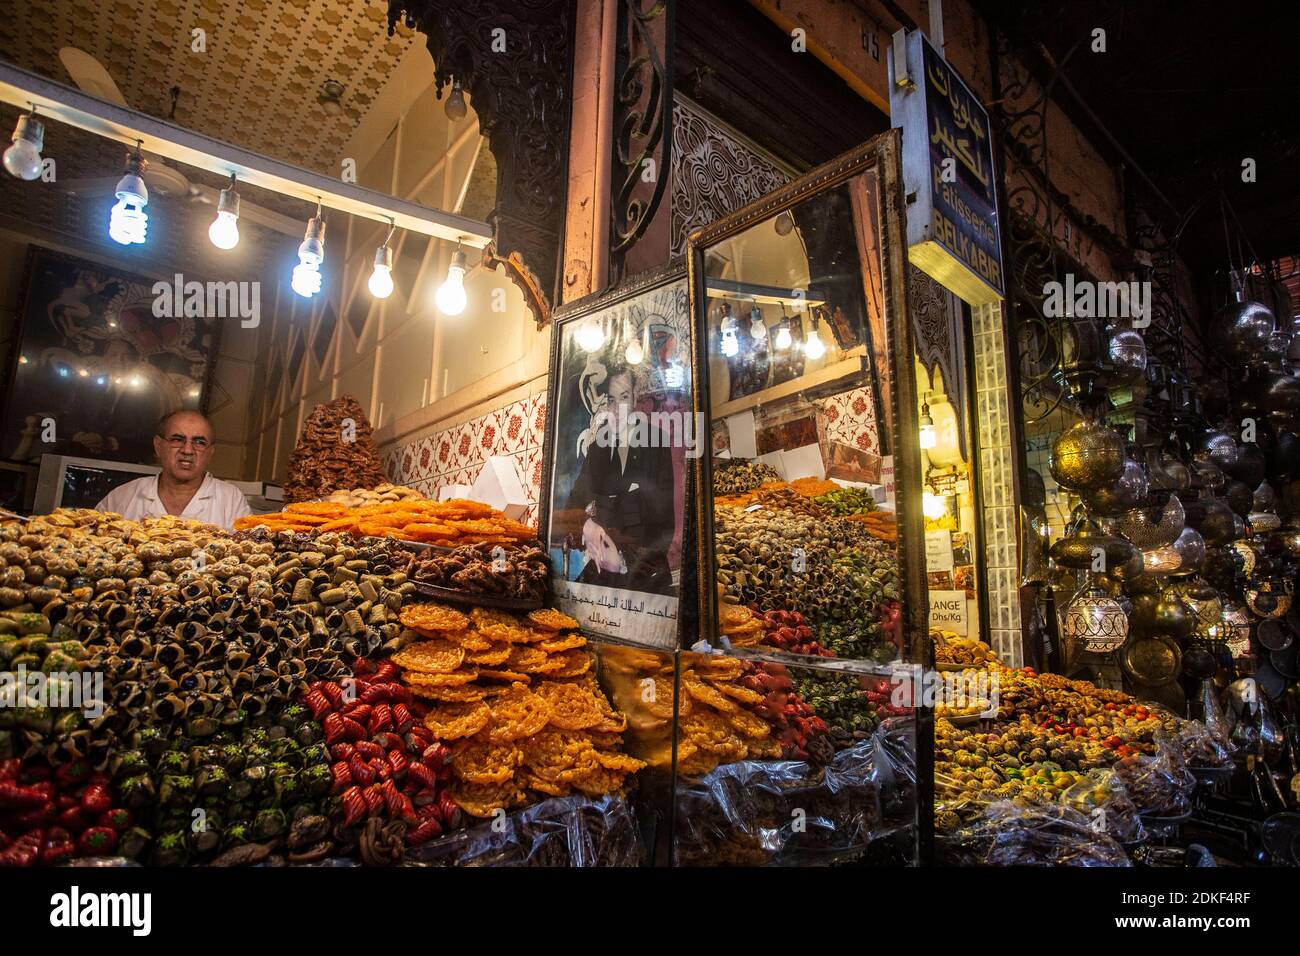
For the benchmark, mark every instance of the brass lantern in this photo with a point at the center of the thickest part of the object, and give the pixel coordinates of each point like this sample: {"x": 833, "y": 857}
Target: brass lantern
{"x": 1086, "y": 456}
{"x": 1096, "y": 620}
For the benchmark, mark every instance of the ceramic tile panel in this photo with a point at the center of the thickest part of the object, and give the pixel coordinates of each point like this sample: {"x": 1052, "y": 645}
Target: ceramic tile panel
{"x": 997, "y": 482}
{"x": 456, "y": 455}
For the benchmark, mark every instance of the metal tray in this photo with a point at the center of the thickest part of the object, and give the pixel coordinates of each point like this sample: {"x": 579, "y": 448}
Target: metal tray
{"x": 1152, "y": 660}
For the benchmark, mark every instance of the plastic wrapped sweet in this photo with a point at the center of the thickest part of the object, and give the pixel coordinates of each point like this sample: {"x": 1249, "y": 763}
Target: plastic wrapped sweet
{"x": 565, "y": 831}
{"x": 1103, "y": 799}
{"x": 790, "y": 813}
{"x": 1008, "y": 833}
{"x": 1205, "y": 745}
{"x": 1160, "y": 785}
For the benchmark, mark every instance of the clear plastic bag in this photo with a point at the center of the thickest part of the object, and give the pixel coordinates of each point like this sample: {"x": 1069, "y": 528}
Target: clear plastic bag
{"x": 1009, "y": 833}
{"x": 1160, "y": 785}
{"x": 564, "y": 831}
{"x": 1205, "y": 745}
{"x": 790, "y": 813}
{"x": 1102, "y": 797}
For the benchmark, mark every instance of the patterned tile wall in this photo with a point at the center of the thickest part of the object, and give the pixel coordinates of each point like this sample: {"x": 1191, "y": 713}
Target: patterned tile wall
{"x": 850, "y": 419}
{"x": 997, "y": 483}
{"x": 455, "y": 455}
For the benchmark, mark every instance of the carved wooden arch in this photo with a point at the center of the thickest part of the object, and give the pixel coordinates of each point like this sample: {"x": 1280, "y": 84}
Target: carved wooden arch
{"x": 521, "y": 96}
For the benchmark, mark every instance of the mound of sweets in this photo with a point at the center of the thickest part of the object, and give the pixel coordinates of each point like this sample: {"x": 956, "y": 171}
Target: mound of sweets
{"x": 446, "y": 523}
{"x": 514, "y": 698}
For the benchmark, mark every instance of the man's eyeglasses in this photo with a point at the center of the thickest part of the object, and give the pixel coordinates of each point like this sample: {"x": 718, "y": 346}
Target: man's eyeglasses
{"x": 179, "y": 441}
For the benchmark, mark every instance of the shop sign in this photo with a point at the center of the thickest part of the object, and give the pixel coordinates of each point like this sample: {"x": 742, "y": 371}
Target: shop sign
{"x": 948, "y": 172}
{"x": 948, "y": 611}
{"x": 938, "y": 550}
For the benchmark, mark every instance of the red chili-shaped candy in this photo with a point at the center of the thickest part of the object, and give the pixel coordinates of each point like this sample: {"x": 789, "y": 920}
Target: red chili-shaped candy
{"x": 342, "y": 776}
{"x": 374, "y": 798}
{"x": 361, "y": 771}
{"x": 402, "y": 719}
{"x": 342, "y": 751}
{"x": 319, "y": 704}
{"x": 398, "y": 762}
{"x": 421, "y": 775}
{"x": 355, "y": 806}
{"x": 335, "y": 731}
{"x": 387, "y": 672}
{"x": 358, "y": 711}
{"x": 353, "y": 730}
{"x": 368, "y": 749}
{"x": 381, "y": 718}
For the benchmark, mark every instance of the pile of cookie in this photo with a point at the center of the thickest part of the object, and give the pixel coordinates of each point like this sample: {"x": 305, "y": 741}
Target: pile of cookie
{"x": 378, "y": 495}
{"x": 444, "y": 523}
{"x": 335, "y": 450}
{"x": 511, "y": 571}
{"x": 515, "y": 699}
{"x": 717, "y": 722}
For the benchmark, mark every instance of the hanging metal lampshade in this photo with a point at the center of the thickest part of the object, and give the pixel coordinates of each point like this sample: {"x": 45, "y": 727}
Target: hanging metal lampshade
{"x": 1206, "y": 474}
{"x": 1086, "y": 456}
{"x": 1236, "y": 627}
{"x": 1114, "y": 499}
{"x": 1176, "y": 469}
{"x": 1214, "y": 521}
{"x": 1263, "y": 514}
{"x": 1190, "y": 547}
{"x": 1217, "y": 446}
{"x": 1151, "y": 528}
{"x": 1250, "y": 465}
{"x": 1158, "y": 479}
{"x": 1162, "y": 560}
{"x": 1238, "y": 496}
{"x": 1080, "y": 551}
{"x": 1095, "y": 620}
{"x": 1128, "y": 357}
{"x": 1243, "y": 329}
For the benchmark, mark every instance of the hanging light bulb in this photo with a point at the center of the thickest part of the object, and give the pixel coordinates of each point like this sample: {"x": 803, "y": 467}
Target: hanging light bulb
{"x": 783, "y": 337}
{"x": 635, "y": 352}
{"x": 927, "y": 427}
{"x": 730, "y": 344}
{"x": 814, "y": 348}
{"x": 757, "y": 330}
{"x": 451, "y": 294}
{"x": 590, "y": 336}
{"x": 23, "y": 157}
{"x": 455, "y": 106}
{"x": 128, "y": 222}
{"x": 381, "y": 279}
{"x": 784, "y": 224}
{"x": 933, "y": 506}
{"x": 306, "y": 274}
{"x": 224, "y": 231}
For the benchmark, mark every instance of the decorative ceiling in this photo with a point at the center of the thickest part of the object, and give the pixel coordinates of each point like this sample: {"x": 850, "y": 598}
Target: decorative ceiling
{"x": 257, "y": 82}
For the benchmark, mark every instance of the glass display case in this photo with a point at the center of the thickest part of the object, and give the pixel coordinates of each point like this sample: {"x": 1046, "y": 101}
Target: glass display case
{"x": 798, "y": 739}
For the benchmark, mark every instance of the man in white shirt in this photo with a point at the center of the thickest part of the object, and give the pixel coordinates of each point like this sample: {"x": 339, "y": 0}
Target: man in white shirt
{"x": 183, "y": 445}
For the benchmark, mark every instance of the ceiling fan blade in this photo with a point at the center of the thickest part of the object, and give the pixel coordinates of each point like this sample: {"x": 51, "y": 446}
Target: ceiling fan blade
{"x": 89, "y": 188}
{"x": 89, "y": 74}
